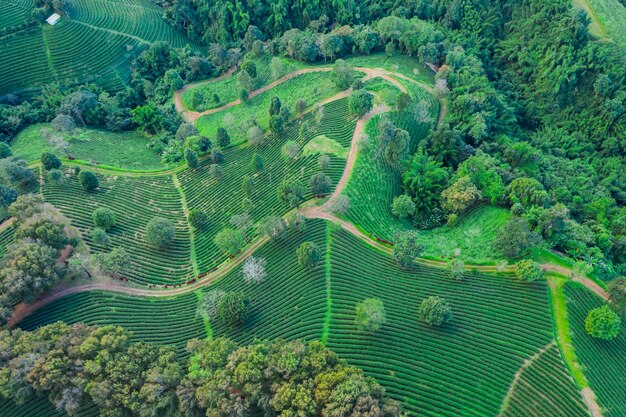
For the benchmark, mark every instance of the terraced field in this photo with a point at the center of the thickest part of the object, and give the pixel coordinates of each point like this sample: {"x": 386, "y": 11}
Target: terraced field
{"x": 94, "y": 44}
{"x": 135, "y": 201}
{"x": 222, "y": 198}
{"x": 545, "y": 388}
{"x": 602, "y": 360}
{"x": 461, "y": 369}
{"x": 313, "y": 87}
{"x": 14, "y": 13}
{"x": 92, "y": 145}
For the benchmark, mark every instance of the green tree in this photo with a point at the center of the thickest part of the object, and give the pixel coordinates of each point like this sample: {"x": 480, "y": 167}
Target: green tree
{"x": 403, "y": 102}
{"x": 5, "y": 151}
{"x": 406, "y": 248}
{"x": 148, "y": 117}
{"x": 402, "y": 206}
{"x": 43, "y": 230}
{"x": 250, "y": 68}
{"x": 257, "y": 163}
{"x": 460, "y": 196}
{"x": 291, "y": 192}
{"x": 50, "y": 161}
{"x": 103, "y": 218}
{"x": 223, "y": 139}
{"x": 275, "y": 105}
{"x": 528, "y": 271}
{"x": 301, "y": 106}
{"x": 191, "y": 157}
{"x": 424, "y": 180}
{"x": 277, "y": 125}
{"x": 343, "y": 74}
{"x": 88, "y": 181}
{"x": 234, "y": 308}
{"x": 273, "y": 227}
{"x": 99, "y": 237}
{"x": 456, "y": 269}
{"x": 7, "y": 196}
{"x": 309, "y": 254}
{"x": 435, "y": 311}
{"x": 198, "y": 218}
{"x": 370, "y": 315}
{"x": 603, "y": 323}
{"x": 247, "y": 185}
{"x": 515, "y": 238}
{"x": 360, "y": 102}
{"x": 160, "y": 233}
{"x": 617, "y": 294}
{"x": 320, "y": 184}
{"x": 117, "y": 262}
{"x": 198, "y": 144}
{"x": 230, "y": 241}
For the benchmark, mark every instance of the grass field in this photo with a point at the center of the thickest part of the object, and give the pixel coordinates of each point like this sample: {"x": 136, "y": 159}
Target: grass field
{"x": 126, "y": 150}
{"x": 95, "y": 44}
{"x": 135, "y": 201}
{"x": 602, "y": 361}
{"x": 313, "y": 87}
{"x": 402, "y": 64}
{"x": 608, "y": 19}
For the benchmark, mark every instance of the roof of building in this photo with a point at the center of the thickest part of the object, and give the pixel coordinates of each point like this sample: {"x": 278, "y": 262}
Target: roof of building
{"x": 53, "y": 18}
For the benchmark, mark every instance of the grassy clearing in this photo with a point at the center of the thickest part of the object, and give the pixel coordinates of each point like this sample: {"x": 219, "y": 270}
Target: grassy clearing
{"x": 324, "y": 145}
{"x": 611, "y": 17}
{"x": 313, "y": 87}
{"x": 125, "y": 150}
{"x": 402, "y": 64}
{"x": 602, "y": 360}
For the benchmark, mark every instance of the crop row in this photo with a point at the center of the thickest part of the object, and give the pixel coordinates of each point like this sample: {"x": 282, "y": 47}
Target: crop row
{"x": 40, "y": 406}
{"x": 135, "y": 201}
{"x": 312, "y": 87}
{"x": 602, "y": 360}
{"x": 546, "y": 389}
{"x": 14, "y": 13}
{"x": 462, "y": 368}
{"x": 23, "y": 62}
{"x": 222, "y": 198}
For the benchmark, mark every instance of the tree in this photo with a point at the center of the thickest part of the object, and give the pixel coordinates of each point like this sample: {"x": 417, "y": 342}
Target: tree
{"x": 332, "y": 45}
{"x": 115, "y": 263}
{"x": 245, "y": 81}
{"x": 191, "y": 157}
{"x": 254, "y": 270}
{"x": 198, "y": 218}
{"x": 234, "y": 308}
{"x": 56, "y": 176}
{"x": 515, "y": 238}
{"x": 104, "y": 218}
{"x": 275, "y": 105}
{"x": 216, "y": 171}
{"x": 343, "y": 74}
{"x": 406, "y": 248}
{"x": 277, "y": 125}
{"x": 291, "y": 192}
{"x": 230, "y": 241}
{"x": 250, "y": 68}
{"x": 88, "y": 181}
{"x": 456, "y": 269}
{"x": 242, "y": 222}
{"x": 223, "y": 140}
{"x": 160, "y": 233}
{"x": 148, "y": 117}
{"x": 370, "y": 315}
{"x": 435, "y": 311}
{"x": 603, "y": 323}
{"x": 617, "y": 294}
{"x": 403, "y": 102}
{"x": 360, "y": 102}
{"x": 99, "y": 237}
{"x": 402, "y": 206}
{"x": 50, "y": 161}
{"x": 186, "y": 131}
{"x": 301, "y": 106}
{"x": 309, "y": 254}
{"x": 5, "y": 151}
{"x": 247, "y": 185}
{"x": 63, "y": 123}
{"x": 340, "y": 204}
{"x": 277, "y": 67}
{"x": 296, "y": 222}
{"x": 273, "y": 227}
{"x": 198, "y": 144}
{"x": 320, "y": 184}
{"x": 290, "y": 150}
{"x": 460, "y": 196}
{"x": 324, "y": 162}
{"x": 255, "y": 136}
{"x": 7, "y": 196}
{"x": 257, "y": 163}
{"x": 43, "y": 230}
{"x": 528, "y": 271}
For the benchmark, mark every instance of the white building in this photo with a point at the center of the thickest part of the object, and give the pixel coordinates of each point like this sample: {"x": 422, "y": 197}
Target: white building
{"x": 54, "y": 18}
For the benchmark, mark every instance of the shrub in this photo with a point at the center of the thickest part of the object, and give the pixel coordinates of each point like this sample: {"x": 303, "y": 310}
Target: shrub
{"x": 602, "y": 323}
{"x": 309, "y": 254}
{"x": 88, "y": 181}
{"x": 435, "y": 311}
{"x": 370, "y": 315}
{"x": 103, "y": 218}
{"x": 50, "y": 161}
{"x": 527, "y": 270}
{"x": 160, "y": 232}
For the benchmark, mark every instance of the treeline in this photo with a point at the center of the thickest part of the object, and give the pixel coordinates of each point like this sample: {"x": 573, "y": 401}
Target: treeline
{"x": 77, "y": 365}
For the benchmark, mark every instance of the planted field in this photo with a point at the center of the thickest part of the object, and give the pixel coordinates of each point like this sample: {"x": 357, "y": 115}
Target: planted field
{"x": 313, "y": 87}
{"x": 126, "y": 150}
{"x": 13, "y": 14}
{"x": 167, "y": 321}
{"x": 94, "y": 44}
{"x": 221, "y": 199}
{"x": 227, "y": 89}
{"x": 135, "y": 201}
{"x": 6, "y": 238}
{"x": 602, "y": 360}
{"x": 402, "y": 64}
{"x": 463, "y": 368}
{"x": 291, "y": 302}
{"x": 545, "y": 388}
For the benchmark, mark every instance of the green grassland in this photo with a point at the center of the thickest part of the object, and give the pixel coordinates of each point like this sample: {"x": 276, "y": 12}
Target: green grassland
{"x": 125, "y": 150}
{"x": 313, "y": 87}
{"x": 602, "y": 360}
{"x": 402, "y": 64}
{"x": 94, "y": 44}
{"x": 608, "y": 19}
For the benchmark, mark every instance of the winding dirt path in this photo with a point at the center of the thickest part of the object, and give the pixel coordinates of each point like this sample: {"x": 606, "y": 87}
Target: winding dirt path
{"x": 587, "y": 282}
